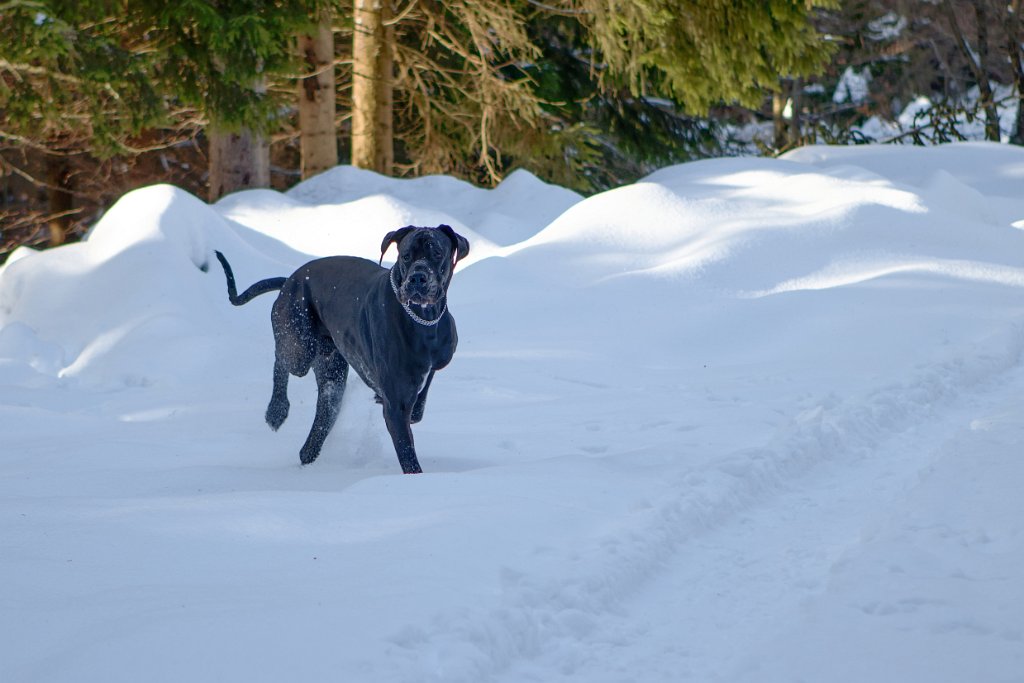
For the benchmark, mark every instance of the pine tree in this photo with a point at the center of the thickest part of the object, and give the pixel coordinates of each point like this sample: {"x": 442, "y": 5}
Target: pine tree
{"x": 89, "y": 77}
{"x": 217, "y": 57}
{"x": 69, "y": 74}
{"x": 472, "y": 78}
{"x": 70, "y": 83}
{"x": 611, "y": 136}
{"x": 704, "y": 53}
{"x": 442, "y": 87}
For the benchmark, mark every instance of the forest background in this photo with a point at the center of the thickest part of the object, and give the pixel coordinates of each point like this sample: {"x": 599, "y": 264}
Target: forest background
{"x": 99, "y": 97}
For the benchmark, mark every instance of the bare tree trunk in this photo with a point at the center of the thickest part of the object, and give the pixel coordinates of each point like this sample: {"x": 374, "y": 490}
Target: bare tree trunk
{"x": 796, "y": 88}
{"x": 372, "y": 87}
{"x": 1014, "y": 51}
{"x": 238, "y": 161}
{"x": 979, "y": 65}
{"x": 318, "y": 140}
{"x": 786, "y": 133}
{"x": 58, "y": 180}
{"x": 778, "y": 123}
{"x": 385, "y": 157}
{"x": 988, "y": 97}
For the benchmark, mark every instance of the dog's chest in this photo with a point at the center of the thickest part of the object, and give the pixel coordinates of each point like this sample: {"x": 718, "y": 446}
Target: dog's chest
{"x": 390, "y": 373}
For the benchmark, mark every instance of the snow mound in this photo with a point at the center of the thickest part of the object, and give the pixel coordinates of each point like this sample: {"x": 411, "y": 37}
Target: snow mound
{"x": 987, "y": 167}
{"x": 517, "y": 208}
{"x": 132, "y": 290}
{"x": 749, "y": 225}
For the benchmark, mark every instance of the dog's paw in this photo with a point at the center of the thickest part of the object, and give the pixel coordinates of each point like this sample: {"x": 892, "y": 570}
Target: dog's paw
{"x": 277, "y": 413}
{"x": 306, "y": 457}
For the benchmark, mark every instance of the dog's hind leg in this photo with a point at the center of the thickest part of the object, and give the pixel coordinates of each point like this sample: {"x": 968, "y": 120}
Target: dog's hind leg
{"x": 331, "y": 372}
{"x": 295, "y": 347}
{"x": 277, "y": 411}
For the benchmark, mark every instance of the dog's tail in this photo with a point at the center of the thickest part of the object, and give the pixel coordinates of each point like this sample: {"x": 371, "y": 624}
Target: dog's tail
{"x": 272, "y": 284}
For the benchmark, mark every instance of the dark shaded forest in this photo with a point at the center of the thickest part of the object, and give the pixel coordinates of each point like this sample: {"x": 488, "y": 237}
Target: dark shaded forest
{"x": 100, "y": 97}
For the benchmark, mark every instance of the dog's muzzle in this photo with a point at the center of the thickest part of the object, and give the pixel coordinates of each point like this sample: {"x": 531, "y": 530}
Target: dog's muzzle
{"x": 420, "y": 286}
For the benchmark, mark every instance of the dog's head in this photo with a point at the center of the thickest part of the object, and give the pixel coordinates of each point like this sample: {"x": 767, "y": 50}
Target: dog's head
{"x": 426, "y": 260}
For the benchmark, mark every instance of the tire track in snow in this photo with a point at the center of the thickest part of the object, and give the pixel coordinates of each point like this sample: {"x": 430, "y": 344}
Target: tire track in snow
{"x": 558, "y": 621}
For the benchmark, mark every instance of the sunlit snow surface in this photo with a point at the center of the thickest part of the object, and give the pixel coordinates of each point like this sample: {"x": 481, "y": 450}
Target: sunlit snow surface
{"x": 744, "y": 420}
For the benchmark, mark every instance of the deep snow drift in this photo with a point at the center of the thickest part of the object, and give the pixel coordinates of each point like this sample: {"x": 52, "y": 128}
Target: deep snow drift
{"x": 744, "y": 420}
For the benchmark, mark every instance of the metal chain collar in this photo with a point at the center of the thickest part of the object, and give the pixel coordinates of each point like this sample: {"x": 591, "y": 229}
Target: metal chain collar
{"x": 408, "y": 310}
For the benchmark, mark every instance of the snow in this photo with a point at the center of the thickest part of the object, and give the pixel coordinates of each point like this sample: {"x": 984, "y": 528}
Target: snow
{"x": 853, "y": 86}
{"x": 916, "y": 114}
{"x": 744, "y": 420}
{"x": 887, "y": 27}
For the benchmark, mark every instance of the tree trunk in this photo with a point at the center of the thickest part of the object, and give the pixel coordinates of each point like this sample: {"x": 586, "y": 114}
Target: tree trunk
{"x": 372, "y": 87}
{"x": 318, "y": 141}
{"x": 979, "y": 65}
{"x": 779, "y": 123}
{"x": 1014, "y": 51}
{"x": 987, "y": 96}
{"x": 796, "y": 89}
{"x": 238, "y": 161}
{"x": 58, "y": 181}
{"x": 385, "y": 157}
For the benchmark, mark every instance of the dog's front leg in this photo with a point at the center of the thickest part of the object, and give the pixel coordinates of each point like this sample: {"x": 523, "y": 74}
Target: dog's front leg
{"x": 421, "y": 400}
{"x": 397, "y": 418}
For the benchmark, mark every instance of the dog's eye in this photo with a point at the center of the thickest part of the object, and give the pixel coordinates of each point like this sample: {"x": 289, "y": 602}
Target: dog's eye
{"x": 407, "y": 257}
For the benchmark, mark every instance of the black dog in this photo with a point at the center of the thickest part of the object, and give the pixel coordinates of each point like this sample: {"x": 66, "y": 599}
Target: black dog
{"x": 392, "y": 326}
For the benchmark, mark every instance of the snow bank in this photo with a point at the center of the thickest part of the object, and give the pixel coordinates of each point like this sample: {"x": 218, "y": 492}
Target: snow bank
{"x": 131, "y": 292}
{"x": 346, "y": 209}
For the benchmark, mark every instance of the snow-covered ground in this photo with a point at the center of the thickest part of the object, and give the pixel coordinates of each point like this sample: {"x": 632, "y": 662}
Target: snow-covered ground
{"x": 745, "y": 420}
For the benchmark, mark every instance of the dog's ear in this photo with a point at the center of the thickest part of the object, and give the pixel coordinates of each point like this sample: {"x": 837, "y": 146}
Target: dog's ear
{"x": 394, "y": 236}
{"x": 460, "y": 243}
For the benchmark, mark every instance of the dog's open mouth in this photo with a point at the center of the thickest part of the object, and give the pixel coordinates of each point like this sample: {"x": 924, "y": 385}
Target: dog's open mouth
{"x": 419, "y": 294}
{"x": 417, "y": 298}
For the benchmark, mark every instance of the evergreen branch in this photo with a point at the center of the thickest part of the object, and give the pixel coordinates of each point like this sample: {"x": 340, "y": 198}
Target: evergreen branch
{"x": 19, "y": 69}
{"x": 16, "y": 223}
{"x": 336, "y": 62}
{"x": 560, "y": 11}
{"x": 14, "y": 4}
{"x": 401, "y": 15}
{"x": 38, "y": 146}
{"x": 7, "y": 166}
